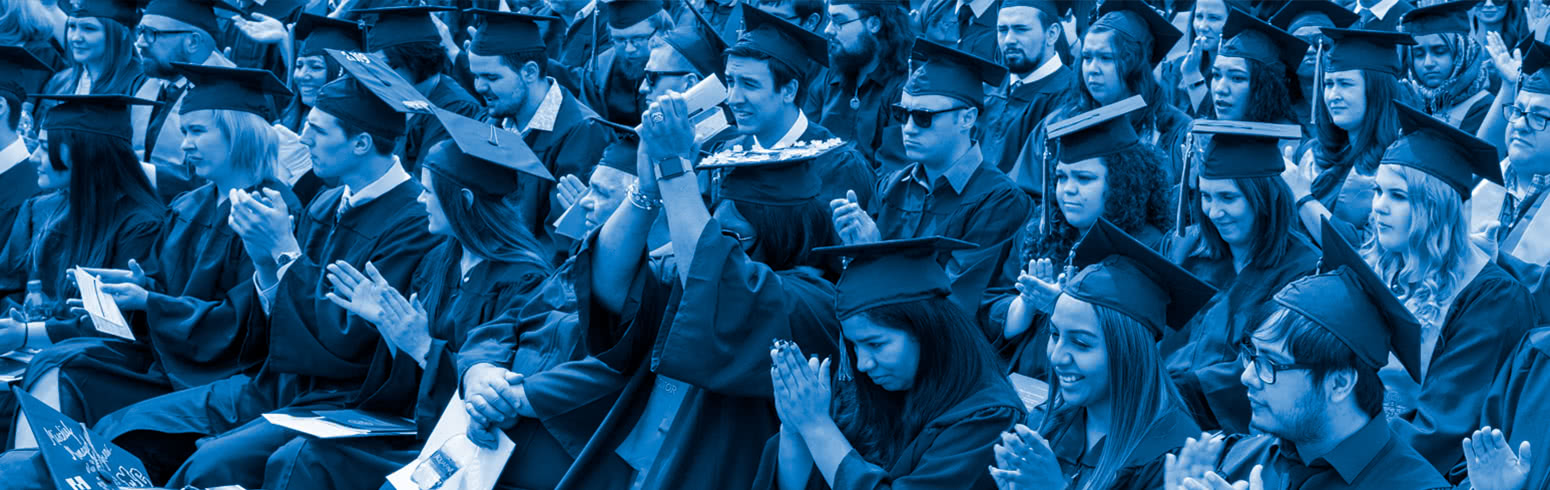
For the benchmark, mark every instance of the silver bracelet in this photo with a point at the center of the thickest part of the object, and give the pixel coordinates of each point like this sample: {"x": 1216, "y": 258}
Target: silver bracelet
{"x": 642, "y": 201}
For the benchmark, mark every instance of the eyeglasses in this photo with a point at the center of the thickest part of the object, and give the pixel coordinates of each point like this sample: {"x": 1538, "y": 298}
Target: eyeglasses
{"x": 736, "y": 236}
{"x": 151, "y": 34}
{"x": 924, "y": 118}
{"x": 1263, "y": 367}
{"x": 637, "y": 42}
{"x": 653, "y": 77}
{"x": 1536, "y": 121}
{"x": 842, "y": 23}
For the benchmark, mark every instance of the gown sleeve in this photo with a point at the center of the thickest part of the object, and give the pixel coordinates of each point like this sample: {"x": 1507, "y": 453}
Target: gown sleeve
{"x": 994, "y": 228}
{"x": 959, "y": 454}
{"x": 1519, "y": 384}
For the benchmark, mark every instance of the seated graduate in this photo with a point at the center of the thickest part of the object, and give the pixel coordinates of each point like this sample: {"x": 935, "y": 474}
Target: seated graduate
{"x": 695, "y": 350}
{"x": 1103, "y": 170}
{"x": 319, "y": 355}
{"x": 1112, "y": 413}
{"x": 1246, "y": 241}
{"x": 1252, "y": 73}
{"x": 97, "y": 209}
{"x": 1449, "y": 67}
{"x": 1513, "y": 417}
{"x": 1312, "y": 374}
{"x": 195, "y": 296}
{"x": 921, "y": 404}
{"x": 1472, "y": 312}
{"x": 315, "y": 34}
{"x": 489, "y": 264}
{"x": 18, "y": 175}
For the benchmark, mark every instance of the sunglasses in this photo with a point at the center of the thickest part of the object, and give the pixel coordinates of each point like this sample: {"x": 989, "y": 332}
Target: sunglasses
{"x": 924, "y": 118}
{"x": 654, "y": 77}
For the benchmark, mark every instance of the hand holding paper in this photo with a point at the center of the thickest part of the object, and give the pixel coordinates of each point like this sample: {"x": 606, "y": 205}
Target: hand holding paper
{"x": 101, "y": 307}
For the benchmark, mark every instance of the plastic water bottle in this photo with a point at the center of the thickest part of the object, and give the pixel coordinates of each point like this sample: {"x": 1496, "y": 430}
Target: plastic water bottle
{"x": 36, "y": 304}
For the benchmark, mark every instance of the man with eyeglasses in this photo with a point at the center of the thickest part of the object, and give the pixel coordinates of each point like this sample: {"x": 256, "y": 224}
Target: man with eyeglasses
{"x": 1311, "y": 370}
{"x": 947, "y": 190}
{"x": 869, "y": 44}
{"x": 611, "y": 84}
{"x": 172, "y": 31}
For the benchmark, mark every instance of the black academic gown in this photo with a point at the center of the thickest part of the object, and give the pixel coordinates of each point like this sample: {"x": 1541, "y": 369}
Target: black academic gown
{"x": 1372, "y": 458}
{"x": 572, "y": 147}
{"x": 17, "y": 185}
{"x": 1206, "y": 367}
{"x": 456, "y": 306}
{"x": 613, "y": 96}
{"x": 840, "y": 170}
{"x": 576, "y": 50}
{"x": 1011, "y": 115}
{"x": 1516, "y": 405}
{"x": 872, "y": 124}
{"x": 1484, "y": 324}
{"x": 1144, "y": 468}
{"x": 424, "y": 130}
{"x": 988, "y": 213}
{"x": 714, "y": 334}
{"x": 978, "y": 35}
{"x": 950, "y": 452}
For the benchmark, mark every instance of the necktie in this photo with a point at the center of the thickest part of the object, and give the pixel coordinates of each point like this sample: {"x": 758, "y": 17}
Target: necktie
{"x": 1366, "y": 17}
{"x": 166, "y": 98}
{"x": 965, "y": 19}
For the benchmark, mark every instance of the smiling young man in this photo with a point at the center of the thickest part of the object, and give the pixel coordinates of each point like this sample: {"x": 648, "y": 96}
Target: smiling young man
{"x": 948, "y": 190}
{"x": 1037, "y": 84}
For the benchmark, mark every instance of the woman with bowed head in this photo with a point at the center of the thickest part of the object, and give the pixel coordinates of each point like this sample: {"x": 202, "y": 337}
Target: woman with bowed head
{"x": 1112, "y": 414}
{"x": 1448, "y": 68}
{"x": 1103, "y": 170}
{"x": 917, "y": 400}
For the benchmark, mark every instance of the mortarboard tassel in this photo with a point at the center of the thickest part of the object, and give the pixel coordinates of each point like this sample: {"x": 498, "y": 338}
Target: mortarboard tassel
{"x": 1318, "y": 85}
{"x": 1186, "y": 192}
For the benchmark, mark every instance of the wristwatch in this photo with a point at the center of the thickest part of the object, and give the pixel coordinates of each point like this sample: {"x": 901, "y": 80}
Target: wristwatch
{"x": 285, "y": 259}
{"x": 673, "y": 166}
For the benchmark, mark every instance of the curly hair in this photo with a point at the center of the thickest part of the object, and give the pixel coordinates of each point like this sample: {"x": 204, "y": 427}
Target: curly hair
{"x": 1131, "y": 59}
{"x": 893, "y": 39}
{"x": 1432, "y": 270}
{"x": 1338, "y": 151}
{"x": 1270, "y": 99}
{"x": 1136, "y": 195}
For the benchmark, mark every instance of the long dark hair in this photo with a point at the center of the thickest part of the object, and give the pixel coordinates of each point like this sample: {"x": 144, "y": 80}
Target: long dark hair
{"x": 893, "y": 39}
{"x": 1138, "y": 195}
{"x": 955, "y": 362}
{"x": 784, "y": 235}
{"x": 1131, "y": 60}
{"x": 122, "y": 75}
{"x": 106, "y": 181}
{"x": 1338, "y": 151}
{"x": 490, "y": 227}
{"x": 1270, "y": 99}
{"x": 1139, "y": 391}
{"x": 295, "y": 115}
{"x": 1274, "y": 219}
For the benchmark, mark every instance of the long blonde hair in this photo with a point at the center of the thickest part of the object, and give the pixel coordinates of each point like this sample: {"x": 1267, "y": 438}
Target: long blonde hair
{"x": 1432, "y": 271}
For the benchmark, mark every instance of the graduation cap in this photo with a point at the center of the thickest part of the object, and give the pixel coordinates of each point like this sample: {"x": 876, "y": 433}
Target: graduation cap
{"x": 77, "y": 457}
{"x": 126, "y": 12}
{"x": 234, "y": 89}
{"x": 1360, "y": 49}
{"x": 1137, "y": 21}
{"x": 891, "y": 272}
{"x": 1246, "y": 36}
{"x": 1098, "y": 132}
{"x": 1449, "y": 17}
{"x": 782, "y": 41}
{"x": 372, "y": 71}
{"x": 1121, "y": 273}
{"x": 395, "y": 26}
{"x": 778, "y": 177}
{"x": 1320, "y": 13}
{"x": 626, "y": 13}
{"x": 1535, "y": 76}
{"x": 25, "y": 72}
{"x": 197, "y": 13}
{"x": 318, "y": 33}
{"x": 106, "y": 115}
{"x": 940, "y": 70}
{"x": 621, "y": 154}
{"x": 1350, "y": 301}
{"x": 1431, "y": 145}
{"x": 502, "y": 33}
{"x": 349, "y": 100}
{"x": 1241, "y": 150}
{"x": 700, "y": 43}
{"x": 483, "y": 158}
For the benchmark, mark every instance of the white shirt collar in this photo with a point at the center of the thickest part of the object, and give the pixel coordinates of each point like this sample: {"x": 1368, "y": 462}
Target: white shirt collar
{"x": 1381, "y": 10}
{"x": 13, "y": 154}
{"x": 1044, "y": 70}
{"x": 585, "y": 11}
{"x": 548, "y": 111}
{"x": 792, "y": 135}
{"x": 977, "y": 6}
{"x": 387, "y": 182}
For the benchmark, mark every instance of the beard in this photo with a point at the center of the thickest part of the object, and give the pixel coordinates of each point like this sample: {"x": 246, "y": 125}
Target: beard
{"x": 1019, "y": 62}
{"x": 850, "y": 61}
{"x": 1303, "y": 424}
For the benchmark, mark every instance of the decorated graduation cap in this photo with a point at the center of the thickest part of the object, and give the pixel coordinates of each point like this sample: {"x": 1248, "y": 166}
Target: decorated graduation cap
{"x": 1246, "y": 36}
{"x": 234, "y": 89}
{"x": 1318, "y": 13}
{"x": 778, "y": 177}
{"x": 621, "y": 153}
{"x": 782, "y": 41}
{"x": 700, "y": 43}
{"x": 396, "y": 26}
{"x": 1535, "y": 76}
{"x": 1098, "y": 132}
{"x": 1242, "y": 150}
{"x": 891, "y": 272}
{"x": 24, "y": 72}
{"x": 1123, "y": 274}
{"x": 318, "y": 33}
{"x": 106, "y": 115}
{"x": 197, "y": 13}
{"x": 1349, "y": 300}
{"x": 626, "y": 13}
{"x": 503, "y": 33}
{"x": 1137, "y": 21}
{"x": 1360, "y": 49}
{"x": 1431, "y": 145}
{"x": 1442, "y": 18}
{"x": 372, "y": 72}
{"x": 126, "y": 12}
{"x": 349, "y": 100}
{"x": 76, "y": 456}
{"x": 483, "y": 158}
{"x": 940, "y": 70}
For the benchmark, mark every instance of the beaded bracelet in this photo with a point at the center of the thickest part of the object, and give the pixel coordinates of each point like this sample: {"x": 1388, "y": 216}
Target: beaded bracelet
{"x": 642, "y": 201}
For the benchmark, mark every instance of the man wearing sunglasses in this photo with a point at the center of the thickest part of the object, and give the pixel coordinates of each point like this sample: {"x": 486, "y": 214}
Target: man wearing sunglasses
{"x": 611, "y": 85}
{"x": 947, "y": 189}
{"x": 172, "y": 31}
{"x": 1311, "y": 370}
